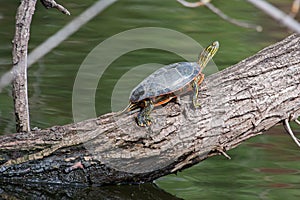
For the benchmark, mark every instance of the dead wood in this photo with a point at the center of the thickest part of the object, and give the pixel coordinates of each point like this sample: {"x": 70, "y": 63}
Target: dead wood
{"x": 52, "y": 4}
{"x": 20, "y": 47}
{"x": 237, "y": 103}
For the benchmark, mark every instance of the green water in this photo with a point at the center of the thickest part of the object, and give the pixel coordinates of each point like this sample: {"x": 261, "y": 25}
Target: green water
{"x": 265, "y": 167}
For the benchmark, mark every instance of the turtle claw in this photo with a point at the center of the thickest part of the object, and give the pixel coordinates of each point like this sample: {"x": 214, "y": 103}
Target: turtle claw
{"x": 148, "y": 122}
{"x": 143, "y": 121}
{"x": 197, "y": 105}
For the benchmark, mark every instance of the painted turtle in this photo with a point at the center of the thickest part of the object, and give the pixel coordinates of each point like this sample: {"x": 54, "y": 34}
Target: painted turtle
{"x": 167, "y": 83}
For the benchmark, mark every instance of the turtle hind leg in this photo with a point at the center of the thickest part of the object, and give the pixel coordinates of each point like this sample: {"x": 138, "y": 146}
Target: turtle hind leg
{"x": 143, "y": 118}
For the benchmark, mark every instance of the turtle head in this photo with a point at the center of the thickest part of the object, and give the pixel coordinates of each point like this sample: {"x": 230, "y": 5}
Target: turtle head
{"x": 207, "y": 54}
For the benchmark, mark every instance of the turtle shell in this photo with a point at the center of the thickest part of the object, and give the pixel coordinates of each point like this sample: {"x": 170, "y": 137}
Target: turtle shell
{"x": 167, "y": 79}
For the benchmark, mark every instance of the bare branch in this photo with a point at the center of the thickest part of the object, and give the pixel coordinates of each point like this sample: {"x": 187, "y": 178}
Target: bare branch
{"x": 231, "y": 20}
{"x": 194, "y": 4}
{"x": 220, "y": 14}
{"x": 277, "y": 14}
{"x": 19, "y": 72}
{"x": 52, "y": 4}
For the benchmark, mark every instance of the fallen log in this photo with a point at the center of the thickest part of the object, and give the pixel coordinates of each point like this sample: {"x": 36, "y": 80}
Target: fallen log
{"x": 237, "y": 103}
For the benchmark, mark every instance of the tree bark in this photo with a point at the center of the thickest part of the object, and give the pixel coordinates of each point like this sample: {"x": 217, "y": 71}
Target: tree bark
{"x": 20, "y": 46}
{"x": 237, "y": 103}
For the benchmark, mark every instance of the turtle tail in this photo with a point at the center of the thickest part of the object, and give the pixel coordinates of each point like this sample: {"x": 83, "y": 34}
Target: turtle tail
{"x": 128, "y": 110}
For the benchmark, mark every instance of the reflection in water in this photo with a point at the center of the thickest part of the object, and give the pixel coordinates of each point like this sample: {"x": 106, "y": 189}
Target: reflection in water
{"x": 266, "y": 167}
{"x": 37, "y": 191}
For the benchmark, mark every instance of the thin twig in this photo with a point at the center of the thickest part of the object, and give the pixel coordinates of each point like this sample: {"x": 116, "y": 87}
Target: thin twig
{"x": 220, "y": 13}
{"x": 277, "y": 14}
{"x": 231, "y": 20}
{"x": 194, "y": 4}
{"x": 297, "y": 121}
{"x": 224, "y": 153}
{"x": 289, "y": 130}
{"x": 53, "y": 4}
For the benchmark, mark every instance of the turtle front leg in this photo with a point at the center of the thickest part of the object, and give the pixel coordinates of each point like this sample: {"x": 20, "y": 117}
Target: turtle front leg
{"x": 195, "y": 94}
{"x": 143, "y": 118}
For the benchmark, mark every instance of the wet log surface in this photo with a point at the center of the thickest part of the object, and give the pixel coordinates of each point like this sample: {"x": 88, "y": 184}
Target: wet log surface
{"x": 237, "y": 103}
